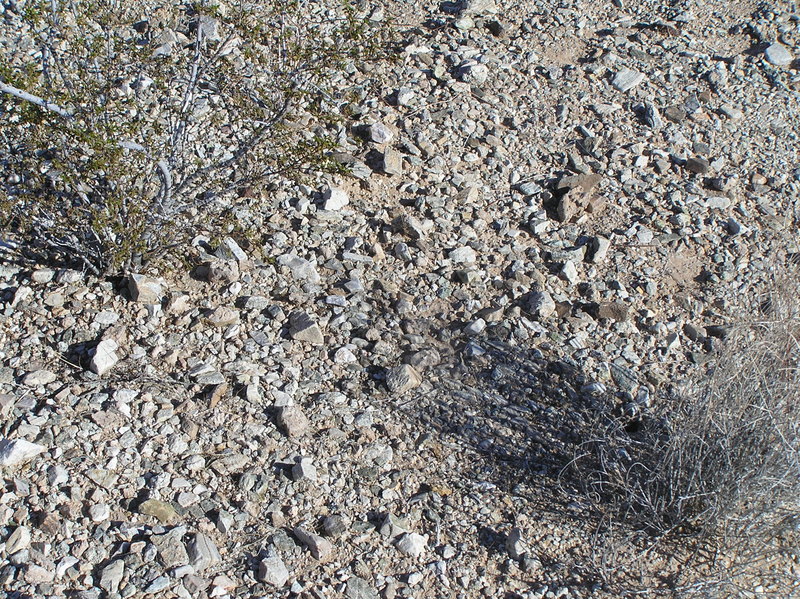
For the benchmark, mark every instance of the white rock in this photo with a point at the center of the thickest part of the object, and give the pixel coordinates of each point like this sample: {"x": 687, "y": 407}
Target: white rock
{"x": 335, "y": 199}
{"x": 541, "y": 304}
{"x": 18, "y": 540}
{"x": 203, "y": 553}
{"x": 479, "y": 7}
{"x": 462, "y": 255}
{"x": 380, "y": 133}
{"x": 145, "y": 290}
{"x": 105, "y": 357}
{"x": 319, "y": 547}
{"x": 273, "y": 571}
{"x": 627, "y": 79}
{"x": 302, "y": 270}
{"x": 412, "y": 544}
{"x": 16, "y": 452}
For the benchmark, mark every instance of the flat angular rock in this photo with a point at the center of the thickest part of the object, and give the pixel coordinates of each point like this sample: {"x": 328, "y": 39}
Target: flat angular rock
{"x": 13, "y": 453}
{"x": 478, "y": 7}
{"x": 171, "y": 550}
{"x": 160, "y": 510}
{"x": 515, "y": 545}
{"x": 303, "y": 328}
{"x": 222, "y": 316}
{"x": 699, "y": 166}
{"x": 627, "y": 79}
{"x": 462, "y": 255}
{"x": 473, "y": 72}
{"x": 39, "y": 377}
{"x": 613, "y": 311}
{"x": 334, "y": 198}
{"x": 302, "y": 270}
{"x": 18, "y": 540}
{"x": 223, "y": 271}
{"x": 319, "y": 547}
{"x": 292, "y": 421}
{"x": 779, "y": 55}
{"x": 403, "y": 378}
{"x": 273, "y": 571}
{"x": 358, "y": 588}
{"x": 304, "y": 470}
{"x": 203, "y": 553}
{"x": 145, "y": 290}
{"x": 105, "y": 357}
{"x": 392, "y": 162}
{"x": 111, "y": 576}
{"x": 230, "y": 250}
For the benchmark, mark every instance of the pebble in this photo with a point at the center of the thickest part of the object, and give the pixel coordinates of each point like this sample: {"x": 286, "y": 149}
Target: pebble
{"x": 412, "y": 544}
{"x": 358, "y": 588}
{"x": 145, "y": 290}
{"x": 334, "y": 198}
{"x": 105, "y": 357}
{"x": 304, "y": 328}
{"x": 319, "y": 547}
{"x": 778, "y": 54}
{"x": 403, "y": 378}
{"x": 38, "y": 378}
{"x": 292, "y": 421}
{"x": 626, "y": 79}
{"x": 273, "y": 571}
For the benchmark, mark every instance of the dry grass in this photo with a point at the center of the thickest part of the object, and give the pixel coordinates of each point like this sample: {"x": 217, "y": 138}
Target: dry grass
{"x": 714, "y": 470}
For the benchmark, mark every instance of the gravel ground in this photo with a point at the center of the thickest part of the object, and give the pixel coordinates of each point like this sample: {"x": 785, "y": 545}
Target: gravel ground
{"x": 377, "y": 396}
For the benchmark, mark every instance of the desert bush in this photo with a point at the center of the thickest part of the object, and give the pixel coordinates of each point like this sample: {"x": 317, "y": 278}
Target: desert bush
{"x": 123, "y": 122}
{"x": 719, "y": 462}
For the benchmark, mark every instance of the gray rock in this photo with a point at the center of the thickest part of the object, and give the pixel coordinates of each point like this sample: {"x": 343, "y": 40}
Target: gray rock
{"x": 111, "y": 576}
{"x": 652, "y": 116}
{"x": 273, "y": 571}
{"x": 292, "y": 421}
{"x": 473, "y": 72}
{"x": 158, "y": 585}
{"x": 541, "y": 304}
{"x": 171, "y": 550}
{"x": 335, "y": 526}
{"x": 514, "y": 544}
{"x": 105, "y": 357}
{"x": 392, "y": 162}
{"x": 403, "y": 378}
{"x": 203, "y": 553}
{"x": 303, "y": 328}
{"x": 699, "y": 166}
{"x": 478, "y": 7}
{"x": 39, "y": 377}
{"x": 230, "y": 250}
{"x": 627, "y": 79}
{"x": 779, "y": 55}
{"x": 19, "y": 451}
{"x": 600, "y": 247}
{"x": 304, "y": 470}
{"x": 302, "y": 270}
{"x": 223, "y": 271}
{"x": 358, "y": 588}
{"x": 380, "y": 133}
{"x": 319, "y": 547}
{"x": 18, "y": 540}
{"x": 145, "y": 290}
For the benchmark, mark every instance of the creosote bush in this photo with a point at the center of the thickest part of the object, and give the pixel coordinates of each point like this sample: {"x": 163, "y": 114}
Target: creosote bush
{"x": 718, "y": 464}
{"x": 122, "y": 121}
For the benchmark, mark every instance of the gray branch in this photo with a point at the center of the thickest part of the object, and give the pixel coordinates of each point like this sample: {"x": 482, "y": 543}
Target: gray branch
{"x": 23, "y": 95}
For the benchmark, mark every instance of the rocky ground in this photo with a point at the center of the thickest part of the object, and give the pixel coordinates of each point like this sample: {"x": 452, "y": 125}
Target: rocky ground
{"x": 376, "y": 395}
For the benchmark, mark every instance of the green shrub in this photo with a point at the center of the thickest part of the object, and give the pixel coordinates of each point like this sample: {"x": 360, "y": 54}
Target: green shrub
{"x": 135, "y": 126}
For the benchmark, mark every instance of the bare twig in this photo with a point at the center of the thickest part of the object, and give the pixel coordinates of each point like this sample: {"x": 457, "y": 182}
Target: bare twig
{"x": 28, "y": 97}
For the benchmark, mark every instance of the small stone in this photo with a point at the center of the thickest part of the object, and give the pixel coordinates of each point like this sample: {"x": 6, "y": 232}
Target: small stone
{"x": 230, "y": 250}
{"x": 462, "y": 255}
{"x": 412, "y": 544}
{"x": 223, "y": 271}
{"x": 18, "y": 540}
{"x": 541, "y": 304}
{"x": 319, "y": 547}
{"x": 731, "y": 112}
{"x": 699, "y": 166}
{"x": 105, "y": 357}
{"x": 403, "y": 378}
{"x": 304, "y": 470}
{"x": 405, "y": 96}
{"x": 39, "y": 377}
{"x": 222, "y": 316}
{"x": 273, "y": 571}
{"x": 13, "y": 453}
{"x": 302, "y": 270}
{"x": 38, "y": 575}
{"x": 473, "y": 72}
{"x": 514, "y": 544}
{"x": 158, "y": 585}
{"x": 145, "y": 290}
{"x": 358, "y": 588}
{"x": 779, "y": 55}
{"x": 334, "y": 526}
{"x": 160, "y": 510}
{"x": 100, "y": 512}
{"x": 380, "y": 133}
{"x": 292, "y": 421}
{"x": 600, "y": 247}
{"x": 652, "y": 116}
{"x": 171, "y": 550}
{"x": 613, "y": 311}
{"x": 203, "y": 553}
{"x": 476, "y": 327}
{"x": 627, "y": 79}
{"x": 111, "y": 576}
{"x": 303, "y": 328}
{"x": 478, "y": 7}
{"x": 392, "y": 162}
{"x": 334, "y": 198}
{"x": 569, "y": 272}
